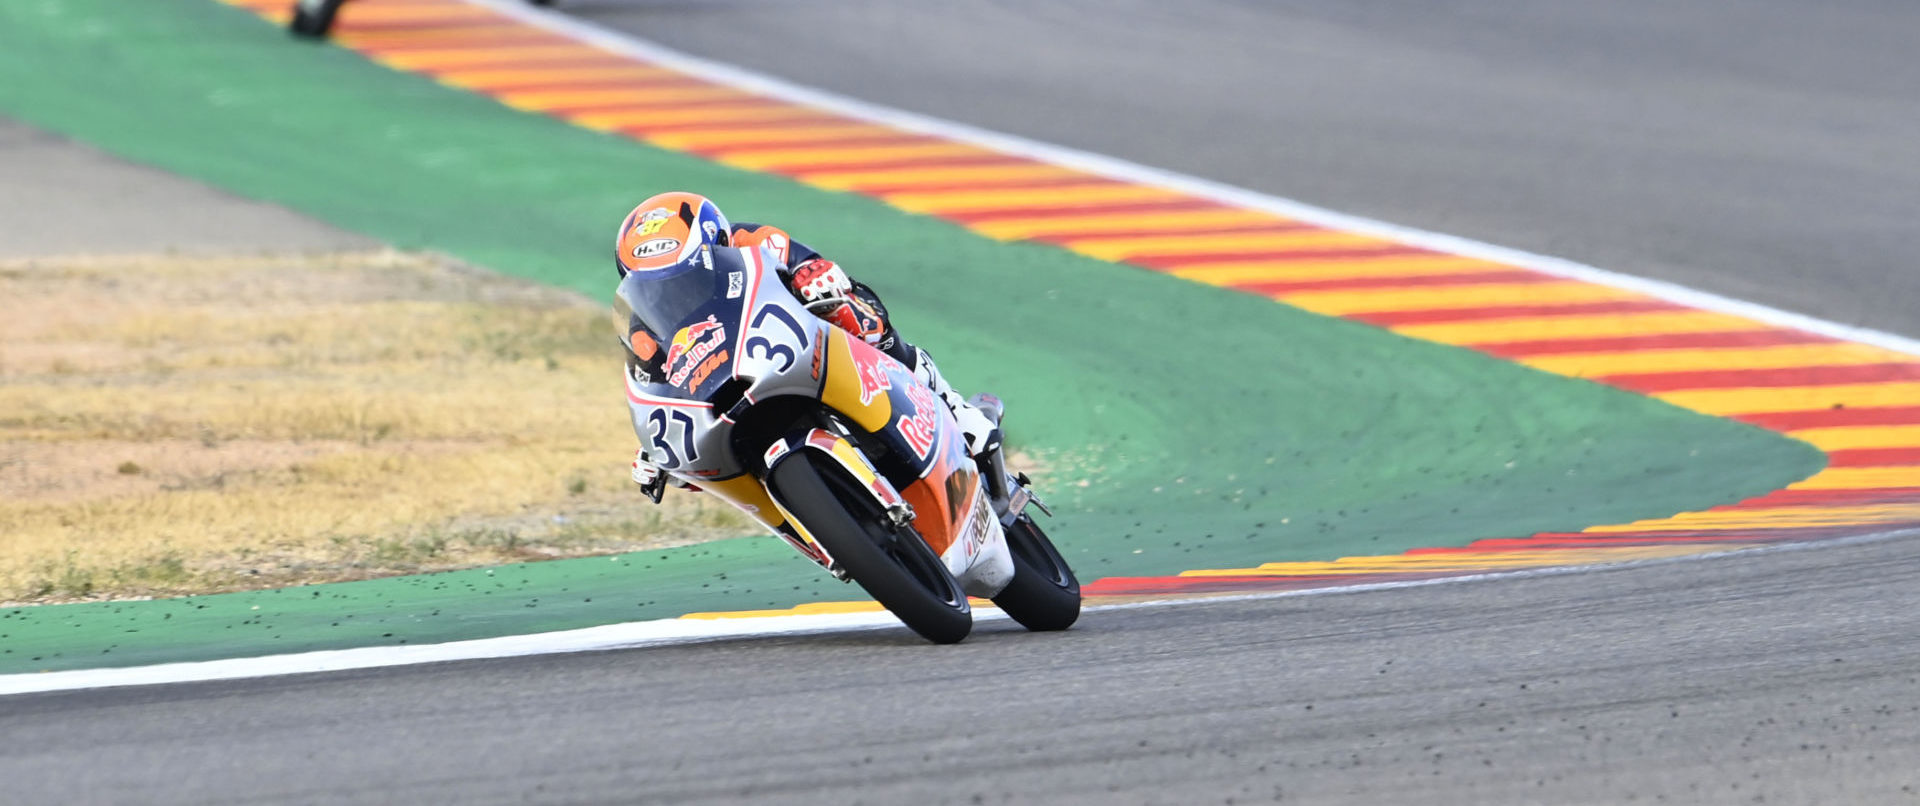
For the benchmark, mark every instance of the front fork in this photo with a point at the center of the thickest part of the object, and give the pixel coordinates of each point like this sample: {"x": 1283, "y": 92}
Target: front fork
{"x": 1010, "y": 492}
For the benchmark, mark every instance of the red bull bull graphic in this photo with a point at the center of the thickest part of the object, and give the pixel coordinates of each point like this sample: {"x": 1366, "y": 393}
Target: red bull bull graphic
{"x": 693, "y": 343}
{"x": 868, "y": 365}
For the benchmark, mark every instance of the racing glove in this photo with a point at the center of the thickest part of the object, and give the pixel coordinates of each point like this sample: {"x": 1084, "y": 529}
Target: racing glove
{"x": 652, "y": 480}
{"x": 828, "y": 292}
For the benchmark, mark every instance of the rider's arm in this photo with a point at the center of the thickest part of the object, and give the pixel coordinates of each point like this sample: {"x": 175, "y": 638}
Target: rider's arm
{"x": 791, "y": 252}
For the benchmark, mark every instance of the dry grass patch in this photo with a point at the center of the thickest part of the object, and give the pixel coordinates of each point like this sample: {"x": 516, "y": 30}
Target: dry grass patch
{"x": 173, "y": 426}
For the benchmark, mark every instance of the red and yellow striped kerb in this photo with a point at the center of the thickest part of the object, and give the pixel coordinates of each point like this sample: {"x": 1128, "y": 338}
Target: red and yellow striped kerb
{"x": 1860, "y": 404}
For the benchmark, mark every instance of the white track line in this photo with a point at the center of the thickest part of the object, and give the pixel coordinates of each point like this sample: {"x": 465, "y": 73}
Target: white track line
{"x": 669, "y": 632}
{"x": 684, "y": 631}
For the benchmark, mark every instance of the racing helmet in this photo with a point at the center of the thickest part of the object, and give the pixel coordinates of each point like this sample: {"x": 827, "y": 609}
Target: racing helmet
{"x": 667, "y": 230}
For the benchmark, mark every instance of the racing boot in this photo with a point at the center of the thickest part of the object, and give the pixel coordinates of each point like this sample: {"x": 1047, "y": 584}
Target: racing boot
{"x": 981, "y": 430}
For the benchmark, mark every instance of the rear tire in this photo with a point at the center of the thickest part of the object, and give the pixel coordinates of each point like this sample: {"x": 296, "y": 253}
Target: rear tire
{"x": 1044, "y": 594}
{"x": 895, "y": 566}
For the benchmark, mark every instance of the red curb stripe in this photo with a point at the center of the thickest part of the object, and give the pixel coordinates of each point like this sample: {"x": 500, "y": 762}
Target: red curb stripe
{"x": 477, "y": 43}
{"x": 1743, "y": 534}
{"x": 815, "y": 117}
{"x": 883, "y": 188}
{"x": 1648, "y": 383}
{"x": 1508, "y": 277}
{"x": 802, "y": 171}
{"x": 1610, "y": 344}
{"x": 879, "y": 139}
{"x": 1275, "y": 227}
{"x": 666, "y": 105}
{"x": 490, "y": 90}
{"x": 1140, "y": 586}
{"x": 510, "y": 62}
{"x": 1873, "y": 457}
{"x": 547, "y": 84}
{"x": 1575, "y": 540}
{"x": 1827, "y": 418}
{"x": 1861, "y": 497}
{"x": 1086, "y": 210}
{"x": 1493, "y": 312}
{"x": 1190, "y": 260}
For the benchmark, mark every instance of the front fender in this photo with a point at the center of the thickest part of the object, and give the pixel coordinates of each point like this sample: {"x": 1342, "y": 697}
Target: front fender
{"x": 842, "y": 453}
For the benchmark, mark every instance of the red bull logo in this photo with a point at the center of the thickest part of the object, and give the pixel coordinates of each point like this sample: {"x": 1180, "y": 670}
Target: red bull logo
{"x": 692, "y": 344}
{"x": 870, "y": 367}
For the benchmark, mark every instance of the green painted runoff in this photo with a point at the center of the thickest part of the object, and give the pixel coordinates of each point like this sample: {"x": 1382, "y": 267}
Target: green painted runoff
{"x": 1184, "y": 426}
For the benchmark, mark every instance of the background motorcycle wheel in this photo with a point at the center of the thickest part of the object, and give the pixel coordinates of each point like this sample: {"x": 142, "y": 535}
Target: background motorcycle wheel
{"x": 895, "y": 566}
{"x": 314, "y": 18}
{"x": 1044, "y": 595}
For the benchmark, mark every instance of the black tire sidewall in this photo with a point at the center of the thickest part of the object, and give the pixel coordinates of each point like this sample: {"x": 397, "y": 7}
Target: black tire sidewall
{"x": 1034, "y": 599}
{"x": 802, "y": 490}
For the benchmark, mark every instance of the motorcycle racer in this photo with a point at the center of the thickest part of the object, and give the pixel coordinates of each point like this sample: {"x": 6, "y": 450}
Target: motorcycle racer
{"x": 670, "y": 227}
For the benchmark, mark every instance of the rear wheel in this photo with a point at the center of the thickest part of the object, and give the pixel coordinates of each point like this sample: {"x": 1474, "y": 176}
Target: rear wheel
{"x": 1044, "y": 595}
{"x": 895, "y": 566}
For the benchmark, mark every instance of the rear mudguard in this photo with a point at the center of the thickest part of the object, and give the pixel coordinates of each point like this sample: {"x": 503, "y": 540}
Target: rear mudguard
{"x": 978, "y": 557}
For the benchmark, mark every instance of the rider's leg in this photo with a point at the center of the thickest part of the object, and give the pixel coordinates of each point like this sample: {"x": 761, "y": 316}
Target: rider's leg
{"x": 982, "y": 433}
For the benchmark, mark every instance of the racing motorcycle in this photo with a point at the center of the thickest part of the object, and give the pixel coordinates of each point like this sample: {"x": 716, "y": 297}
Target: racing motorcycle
{"x": 832, "y": 445}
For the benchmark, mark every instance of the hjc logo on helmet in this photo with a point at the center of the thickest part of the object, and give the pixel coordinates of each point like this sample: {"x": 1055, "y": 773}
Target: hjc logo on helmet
{"x": 657, "y": 246}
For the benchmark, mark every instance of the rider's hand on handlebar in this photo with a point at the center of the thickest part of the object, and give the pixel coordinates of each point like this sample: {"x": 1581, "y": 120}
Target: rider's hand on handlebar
{"x": 652, "y": 480}
{"x": 821, "y": 279}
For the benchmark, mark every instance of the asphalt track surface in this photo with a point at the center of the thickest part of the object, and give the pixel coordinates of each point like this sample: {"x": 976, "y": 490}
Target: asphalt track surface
{"x": 1678, "y": 683}
{"x": 1758, "y": 149}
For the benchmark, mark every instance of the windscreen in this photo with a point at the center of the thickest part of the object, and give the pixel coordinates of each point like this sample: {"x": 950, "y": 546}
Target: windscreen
{"x": 663, "y": 300}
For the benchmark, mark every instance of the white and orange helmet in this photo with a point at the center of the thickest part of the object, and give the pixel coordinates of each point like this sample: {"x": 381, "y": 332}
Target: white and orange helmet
{"x": 667, "y": 229}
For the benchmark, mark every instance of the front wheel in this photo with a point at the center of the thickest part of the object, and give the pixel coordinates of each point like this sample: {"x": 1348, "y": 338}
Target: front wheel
{"x": 314, "y": 18}
{"x": 1044, "y": 595}
{"x": 895, "y": 566}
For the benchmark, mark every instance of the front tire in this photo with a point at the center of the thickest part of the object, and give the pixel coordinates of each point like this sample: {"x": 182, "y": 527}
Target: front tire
{"x": 1044, "y": 594}
{"x": 895, "y": 566}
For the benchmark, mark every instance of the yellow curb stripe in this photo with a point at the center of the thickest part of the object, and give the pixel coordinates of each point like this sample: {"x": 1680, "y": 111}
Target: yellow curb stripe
{"x": 1840, "y": 438}
{"x": 456, "y": 57}
{"x": 757, "y": 111}
{"x": 1860, "y": 478}
{"x": 1537, "y": 328}
{"x": 1342, "y": 303}
{"x": 809, "y": 609}
{"x": 1229, "y": 274}
{"x": 485, "y": 79}
{"x": 975, "y": 201}
{"x": 1770, "y": 517}
{"x": 432, "y": 37}
{"x": 1122, "y": 222}
{"x": 1117, "y": 247}
{"x": 1788, "y": 356}
{"x": 936, "y": 175}
{"x": 724, "y": 136}
{"x": 545, "y": 100}
{"x": 415, "y": 12}
{"x": 800, "y": 158}
{"x": 1733, "y": 402}
{"x": 1464, "y": 561}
